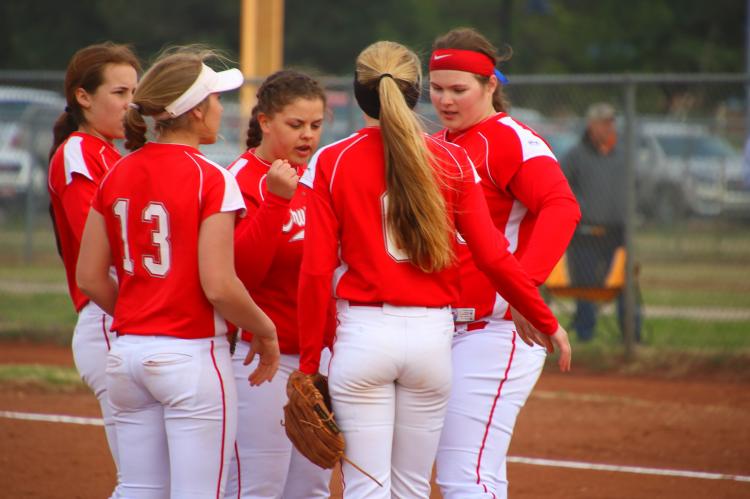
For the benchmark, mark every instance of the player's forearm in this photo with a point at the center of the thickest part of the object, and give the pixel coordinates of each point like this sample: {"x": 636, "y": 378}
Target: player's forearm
{"x": 92, "y": 267}
{"x": 314, "y": 300}
{"x": 517, "y": 288}
{"x": 103, "y": 292}
{"x": 550, "y": 237}
{"x": 232, "y": 301}
{"x": 543, "y": 189}
{"x": 256, "y": 240}
{"x": 489, "y": 249}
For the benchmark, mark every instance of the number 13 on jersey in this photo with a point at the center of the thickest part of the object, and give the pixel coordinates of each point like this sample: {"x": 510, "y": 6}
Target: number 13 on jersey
{"x": 156, "y": 214}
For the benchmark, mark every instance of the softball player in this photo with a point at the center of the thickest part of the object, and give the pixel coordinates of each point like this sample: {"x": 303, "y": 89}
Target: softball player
{"x": 99, "y": 85}
{"x": 531, "y": 202}
{"x": 284, "y": 131}
{"x": 383, "y": 208}
{"x": 164, "y": 216}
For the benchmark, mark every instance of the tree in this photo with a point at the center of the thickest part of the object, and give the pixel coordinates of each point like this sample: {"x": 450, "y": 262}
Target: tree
{"x": 548, "y": 36}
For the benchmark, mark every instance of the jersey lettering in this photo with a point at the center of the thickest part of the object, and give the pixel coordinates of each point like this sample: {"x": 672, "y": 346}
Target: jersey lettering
{"x": 157, "y": 214}
{"x": 120, "y": 209}
{"x": 296, "y": 218}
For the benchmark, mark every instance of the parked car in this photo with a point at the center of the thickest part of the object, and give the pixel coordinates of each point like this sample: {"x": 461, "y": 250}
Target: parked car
{"x": 231, "y": 139}
{"x": 343, "y": 116}
{"x": 684, "y": 169}
{"x": 26, "y": 119}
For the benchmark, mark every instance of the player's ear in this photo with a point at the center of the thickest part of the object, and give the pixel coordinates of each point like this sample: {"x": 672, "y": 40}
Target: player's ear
{"x": 492, "y": 84}
{"x": 197, "y": 113}
{"x": 263, "y": 121}
{"x": 83, "y": 98}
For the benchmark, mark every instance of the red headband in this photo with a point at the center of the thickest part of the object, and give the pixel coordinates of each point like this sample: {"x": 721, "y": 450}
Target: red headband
{"x": 462, "y": 60}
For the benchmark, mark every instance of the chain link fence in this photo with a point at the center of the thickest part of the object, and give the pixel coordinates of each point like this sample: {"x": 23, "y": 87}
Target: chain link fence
{"x": 673, "y": 262}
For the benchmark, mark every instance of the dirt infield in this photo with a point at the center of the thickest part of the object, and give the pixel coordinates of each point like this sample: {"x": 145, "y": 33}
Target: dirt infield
{"x": 687, "y": 425}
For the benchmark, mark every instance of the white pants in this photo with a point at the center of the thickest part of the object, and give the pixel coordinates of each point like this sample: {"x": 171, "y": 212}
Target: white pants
{"x": 494, "y": 372}
{"x": 269, "y": 465}
{"x": 91, "y": 343}
{"x": 389, "y": 381}
{"x": 175, "y": 409}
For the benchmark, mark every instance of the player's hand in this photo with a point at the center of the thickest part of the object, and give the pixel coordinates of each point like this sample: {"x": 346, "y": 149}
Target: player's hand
{"x": 529, "y": 334}
{"x": 560, "y": 339}
{"x": 282, "y": 179}
{"x": 267, "y": 350}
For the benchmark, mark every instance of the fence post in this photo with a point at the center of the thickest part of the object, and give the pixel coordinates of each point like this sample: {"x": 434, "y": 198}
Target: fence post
{"x": 629, "y": 319}
{"x": 28, "y": 247}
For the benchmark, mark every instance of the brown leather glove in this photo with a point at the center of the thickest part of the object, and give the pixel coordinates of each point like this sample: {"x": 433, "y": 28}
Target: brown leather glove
{"x": 309, "y": 421}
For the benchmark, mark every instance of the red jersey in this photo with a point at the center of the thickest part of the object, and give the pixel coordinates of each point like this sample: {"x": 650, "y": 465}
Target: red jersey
{"x": 153, "y": 202}
{"x": 75, "y": 171}
{"x": 347, "y": 251}
{"x": 529, "y": 199}
{"x": 268, "y": 247}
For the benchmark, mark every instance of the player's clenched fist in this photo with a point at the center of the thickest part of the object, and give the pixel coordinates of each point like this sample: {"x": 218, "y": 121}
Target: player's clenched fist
{"x": 282, "y": 179}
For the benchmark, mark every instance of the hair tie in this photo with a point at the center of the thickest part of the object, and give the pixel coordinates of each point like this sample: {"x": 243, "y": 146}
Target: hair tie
{"x": 501, "y": 77}
{"x": 368, "y": 98}
{"x": 67, "y": 109}
{"x": 135, "y": 106}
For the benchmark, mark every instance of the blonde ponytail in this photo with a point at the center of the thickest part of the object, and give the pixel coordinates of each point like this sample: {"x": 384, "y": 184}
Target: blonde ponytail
{"x": 417, "y": 218}
{"x": 170, "y": 76}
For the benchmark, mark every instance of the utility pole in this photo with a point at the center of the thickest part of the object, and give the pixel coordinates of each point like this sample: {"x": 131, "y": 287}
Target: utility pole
{"x": 261, "y": 45}
{"x": 747, "y": 70}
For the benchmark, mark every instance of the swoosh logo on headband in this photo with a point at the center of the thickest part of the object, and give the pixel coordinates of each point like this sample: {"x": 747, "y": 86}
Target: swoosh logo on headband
{"x": 437, "y": 57}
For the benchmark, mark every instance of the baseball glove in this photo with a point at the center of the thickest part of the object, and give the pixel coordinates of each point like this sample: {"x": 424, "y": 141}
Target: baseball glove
{"x": 309, "y": 420}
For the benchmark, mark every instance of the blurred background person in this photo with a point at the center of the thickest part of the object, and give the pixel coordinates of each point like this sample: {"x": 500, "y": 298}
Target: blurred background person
{"x": 595, "y": 168}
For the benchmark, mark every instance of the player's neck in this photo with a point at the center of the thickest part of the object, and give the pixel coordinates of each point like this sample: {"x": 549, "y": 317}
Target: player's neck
{"x": 369, "y": 121}
{"x": 186, "y": 137}
{"x": 264, "y": 154}
{"x": 90, "y": 130}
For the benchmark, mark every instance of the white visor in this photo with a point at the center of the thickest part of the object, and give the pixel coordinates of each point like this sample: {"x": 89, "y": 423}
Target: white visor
{"x": 208, "y": 82}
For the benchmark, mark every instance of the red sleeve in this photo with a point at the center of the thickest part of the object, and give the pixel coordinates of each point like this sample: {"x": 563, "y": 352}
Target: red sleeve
{"x": 220, "y": 193}
{"x": 257, "y": 236}
{"x": 541, "y": 186}
{"x": 319, "y": 260}
{"x": 76, "y": 201}
{"x": 504, "y": 162}
{"x": 489, "y": 249}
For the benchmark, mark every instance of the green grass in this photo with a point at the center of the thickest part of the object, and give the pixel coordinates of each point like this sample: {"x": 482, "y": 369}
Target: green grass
{"x": 704, "y": 265}
{"x": 696, "y": 241}
{"x": 48, "y": 378}
{"x": 665, "y": 334}
{"x": 684, "y": 334}
{"x": 13, "y": 245}
{"x": 695, "y": 298}
{"x": 34, "y": 273}
{"x": 38, "y": 316}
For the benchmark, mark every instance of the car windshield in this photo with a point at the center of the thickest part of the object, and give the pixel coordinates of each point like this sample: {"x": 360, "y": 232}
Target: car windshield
{"x": 703, "y": 146}
{"x": 12, "y": 110}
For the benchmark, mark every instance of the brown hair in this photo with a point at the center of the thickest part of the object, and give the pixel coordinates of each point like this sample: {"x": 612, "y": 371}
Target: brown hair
{"x": 276, "y": 92}
{"x": 169, "y": 77}
{"x": 416, "y": 218}
{"x": 86, "y": 70}
{"x": 471, "y": 39}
